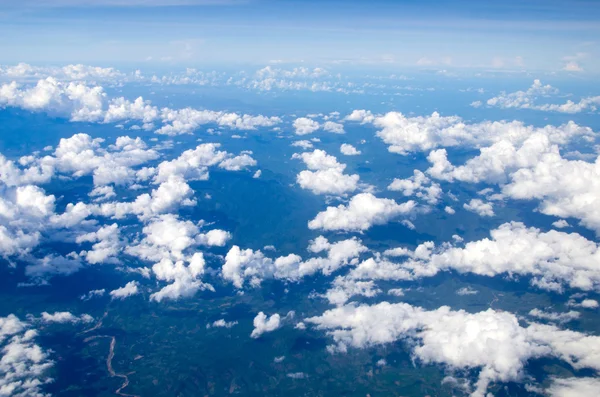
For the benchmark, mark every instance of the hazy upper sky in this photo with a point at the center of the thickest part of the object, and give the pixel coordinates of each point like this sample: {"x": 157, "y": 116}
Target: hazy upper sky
{"x": 549, "y": 35}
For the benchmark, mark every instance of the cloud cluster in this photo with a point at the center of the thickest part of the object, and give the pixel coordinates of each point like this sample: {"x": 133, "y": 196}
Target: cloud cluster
{"x": 89, "y": 103}
{"x": 23, "y": 363}
{"x": 422, "y": 133}
{"x": 529, "y": 100}
{"x": 492, "y": 342}
{"x": 253, "y": 266}
{"x": 419, "y": 185}
{"x": 534, "y": 169}
{"x": 552, "y": 259}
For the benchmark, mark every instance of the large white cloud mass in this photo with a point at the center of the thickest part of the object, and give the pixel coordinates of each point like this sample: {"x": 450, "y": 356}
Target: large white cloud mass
{"x": 534, "y": 169}
{"x": 553, "y": 259}
{"x": 89, "y": 103}
{"x": 422, "y": 133}
{"x": 491, "y": 341}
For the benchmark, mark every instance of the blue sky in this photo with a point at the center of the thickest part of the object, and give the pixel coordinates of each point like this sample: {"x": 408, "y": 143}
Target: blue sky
{"x": 532, "y": 35}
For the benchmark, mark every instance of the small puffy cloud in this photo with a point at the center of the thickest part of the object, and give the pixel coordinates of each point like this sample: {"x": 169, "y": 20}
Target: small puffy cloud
{"x": 349, "y": 150}
{"x": 263, "y": 324}
{"x": 129, "y": 289}
{"x": 238, "y": 163}
{"x": 363, "y": 211}
{"x": 361, "y": 115}
{"x": 560, "y": 224}
{"x": 333, "y": 127}
{"x": 305, "y": 126}
{"x": 479, "y": 207}
{"x": 555, "y": 317}
{"x": 221, "y": 324}
{"x": 466, "y": 291}
{"x": 65, "y": 317}
{"x": 304, "y": 144}
{"x": 419, "y": 185}
{"x": 325, "y": 174}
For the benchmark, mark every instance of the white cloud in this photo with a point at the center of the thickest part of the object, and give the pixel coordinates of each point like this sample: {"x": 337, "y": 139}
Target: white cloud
{"x": 420, "y": 185}
{"x": 574, "y": 387}
{"x": 325, "y": 174}
{"x": 221, "y": 324}
{"x": 349, "y": 150}
{"x": 65, "y": 317}
{"x": 129, "y": 289}
{"x": 248, "y": 265}
{"x": 490, "y": 341}
{"x": 553, "y": 259}
{"x": 529, "y": 99}
{"x": 479, "y": 207}
{"x": 555, "y": 317}
{"x": 81, "y": 102}
{"x": 107, "y": 244}
{"x": 263, "y": 324}
{"x": 304, "y": 144}
{"x": 560, "y": 224}
{"x": 363, "y": 211}
{"x": 333, "y": 127}
{"x": 466, "y": 291}
{"x": 362, "y": 116}
{"x": 408, "y": 134}
{"x": 343, "y": 289}
{"x": 238, "y": 163}
{"x": 24, "y": 365}
{"x": 305, "y": 126}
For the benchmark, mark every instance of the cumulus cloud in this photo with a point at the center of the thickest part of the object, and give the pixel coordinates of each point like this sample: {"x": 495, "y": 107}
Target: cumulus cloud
{"x": 574, "y": 387}
{"x": 107, "y": 244}
{"x": 532, "y": 170}
{"x": 419, "y": 185}
{"x": 363, "y": 211}
{"x": 331, "y": 126}
{"x": 263, "y": 324}
{"x": 348, "y": 150}
{"x": 221, "y": 324}
{"x": 479, "y": 207}
{"x": 24, "y": 365}
{"x": 88, "y": 103}
{"x": 305, "y": 126}
{"x": 492, "y": 342}
{"x": 129, "y": 289}
{"x": 169, "y": 242}
{"x": 555, "y": 317}
{"x": 325, "y": 175}
{"x": 552, "y": 259}
{"x": 422, "y": 133}
{"x": 65, "y": 317}
{"x": 529, "y": 99}
{"x": 253, "y": 266}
